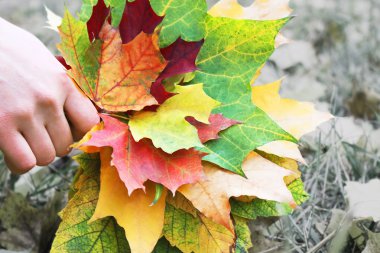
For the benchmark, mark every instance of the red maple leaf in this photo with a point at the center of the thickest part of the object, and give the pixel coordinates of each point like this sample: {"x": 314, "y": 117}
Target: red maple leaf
{"x": 181, "y": 56}
{"x": 210, "y": 131}
{"x": 137, "y": 162}
{"x": 138, "y": 17}
{"x": 99, "y": 15}
{"x": 63, "y": 62}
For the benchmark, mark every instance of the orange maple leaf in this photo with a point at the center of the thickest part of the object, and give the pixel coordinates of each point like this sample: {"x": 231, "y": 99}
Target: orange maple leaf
{"x": 126, "y": 71}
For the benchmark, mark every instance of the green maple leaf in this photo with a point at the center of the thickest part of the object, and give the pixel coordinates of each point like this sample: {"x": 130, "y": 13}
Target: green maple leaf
{"x": 195, "y": 234}
{"x": 183, "y": 18}
{"x": 265, "y": 208}
{"x": 75, "y": 233}
{"x": 259, "y": 208}
{"x": 163, "y": 246}
{"x": 243, "y": 235}
{"x": 233, "y": 52}
{"x": 86, "y": 9}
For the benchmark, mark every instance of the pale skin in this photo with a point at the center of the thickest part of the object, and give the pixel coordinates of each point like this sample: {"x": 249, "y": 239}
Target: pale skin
{"x": 41, "y": 111}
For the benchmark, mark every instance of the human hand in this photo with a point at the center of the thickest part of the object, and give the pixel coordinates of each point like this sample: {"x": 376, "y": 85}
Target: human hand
{"x": 41, "y": 111}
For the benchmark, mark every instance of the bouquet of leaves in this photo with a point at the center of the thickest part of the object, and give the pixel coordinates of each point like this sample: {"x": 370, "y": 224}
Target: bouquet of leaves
{"x": 188, "y": 150}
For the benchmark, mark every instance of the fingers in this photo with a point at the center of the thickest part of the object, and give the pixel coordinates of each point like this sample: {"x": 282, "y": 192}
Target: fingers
{"x": 60, "y": 135}
{"x": 36, "y": 145}
{"x": 40, "y": 143}
{"x": 81, "y": 113}
{"x": 17, "y": 153}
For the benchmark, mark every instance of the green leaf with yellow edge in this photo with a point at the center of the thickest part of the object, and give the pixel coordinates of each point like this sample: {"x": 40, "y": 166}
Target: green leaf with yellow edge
{"x": 266, "y": 208}
{"x": 75, "y": 233}
{"x": 243, "y": 235}
{"x": 78, "y": 52}
{"x": 298, "y": 191}
{"x": 183, "y": 18}
{"x": 195, "y": 234}
{"x": 167, "y": 128}
{"x": 233, "y": 52}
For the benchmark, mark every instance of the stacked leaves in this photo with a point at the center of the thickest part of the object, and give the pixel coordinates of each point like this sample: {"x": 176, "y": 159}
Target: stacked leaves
{"x": 187, "y": 151}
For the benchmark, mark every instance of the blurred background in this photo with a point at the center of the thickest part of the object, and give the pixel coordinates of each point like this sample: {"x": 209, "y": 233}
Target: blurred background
{"x": 332, "y": 61}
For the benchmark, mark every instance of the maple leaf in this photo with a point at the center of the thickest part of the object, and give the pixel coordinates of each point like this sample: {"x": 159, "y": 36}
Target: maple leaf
{"x": 249, "y": 43}
{"x": 95, "y": 13}
{"x": 196, "y": 234}
{"x": 284, "y": 162}
{"x": 74, "y": 48}
{"x": 258, "y": 10}
{"x": 243, "y": 234}
{"x": 267, "y": 208}
{"x": 214, "y": 110}
{"x": 116, "y": 76}
{"x": 141, "y": 222}
{"x": 75, "y": 232}
{"x": 132, "y": 17}
{"x": 138, "y": 17}
{"x": 210, "y": 131}
{"x": 95, "y": 16}
{"x": 136, "y": 162}
{"x": 211, "y": 196}
{"x": 183, "y": 18}
{"x": 259, "y": 208}
{"x": 127, "y": 71}
{"x": 163, "y": 246}
{"x": 181, "y": 57}
{"x": 63, "y": 62}
{"x": 297, "y": 118}
{"x": 167, "y": 128}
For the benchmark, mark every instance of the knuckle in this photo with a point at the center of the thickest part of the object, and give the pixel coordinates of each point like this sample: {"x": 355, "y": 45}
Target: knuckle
{"x": 47, "y": 101}
{"x": 18, "y": 113}
{"x": 25, "y": 114}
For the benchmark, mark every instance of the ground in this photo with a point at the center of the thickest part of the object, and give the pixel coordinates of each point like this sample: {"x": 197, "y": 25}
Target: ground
{"x": 332, "y": 61}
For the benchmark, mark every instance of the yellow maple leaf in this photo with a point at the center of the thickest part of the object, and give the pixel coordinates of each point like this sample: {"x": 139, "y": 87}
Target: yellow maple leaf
{"x": 168, "y": 128}
{"x": 297, "y": 118}
{"x": 142, "y": 223}
{"x": 258, "y": 10}
{"x": 264, "y": 180}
